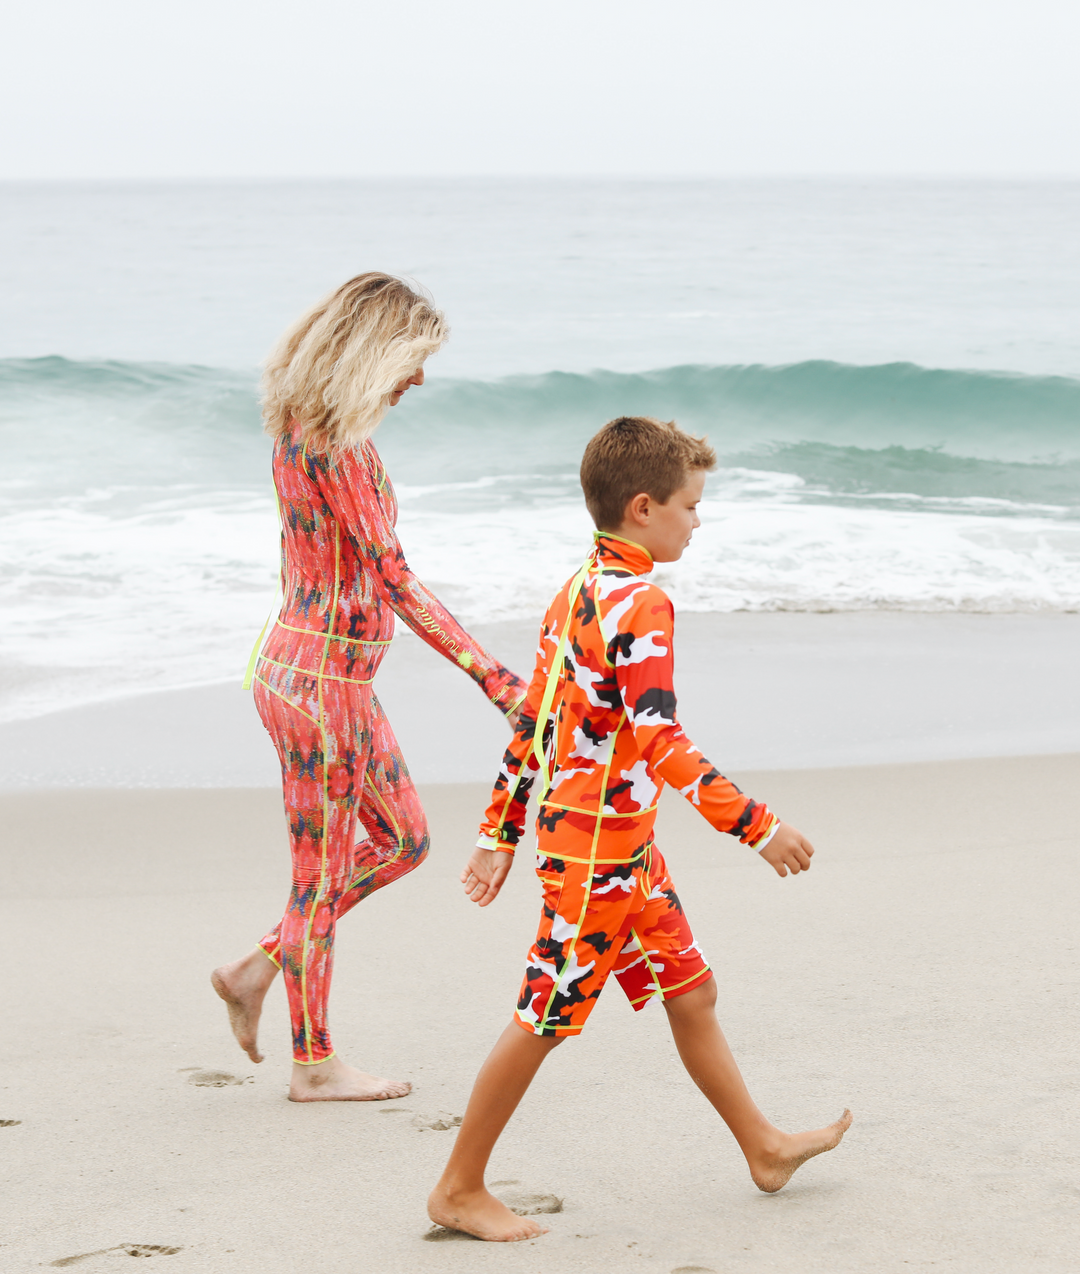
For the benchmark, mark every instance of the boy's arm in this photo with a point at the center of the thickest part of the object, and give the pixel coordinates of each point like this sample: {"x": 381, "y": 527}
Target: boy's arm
{"x": 504, "y": 822}
{"x": 484, "y": 875}
{"x": 348, "y": 488}
{"x": 644, "y": 667}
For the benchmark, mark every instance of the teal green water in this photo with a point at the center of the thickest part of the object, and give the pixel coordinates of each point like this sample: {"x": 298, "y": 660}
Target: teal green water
{"x": 888, "y": 370}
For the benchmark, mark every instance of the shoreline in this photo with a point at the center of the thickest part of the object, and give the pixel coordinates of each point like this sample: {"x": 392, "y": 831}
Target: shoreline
{"x": 785, "y": 690}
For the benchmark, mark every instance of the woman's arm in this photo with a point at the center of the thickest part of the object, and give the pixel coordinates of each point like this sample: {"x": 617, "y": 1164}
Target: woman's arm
{"x": 349, "y": 490}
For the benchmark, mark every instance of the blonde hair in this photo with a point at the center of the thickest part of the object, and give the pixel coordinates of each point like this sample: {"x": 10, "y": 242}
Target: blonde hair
{"x": 334, "y": 370}
{"x": 636, "y": 454}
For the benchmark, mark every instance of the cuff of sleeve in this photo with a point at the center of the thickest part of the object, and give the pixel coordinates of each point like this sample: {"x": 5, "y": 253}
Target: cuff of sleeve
{"x": 759, "y": 845}
{"x": 509, "y": 693}
{"x": 491, "y": 842}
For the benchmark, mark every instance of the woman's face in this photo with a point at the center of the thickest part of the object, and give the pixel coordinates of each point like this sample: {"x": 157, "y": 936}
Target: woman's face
{"x": 417, "y": 378}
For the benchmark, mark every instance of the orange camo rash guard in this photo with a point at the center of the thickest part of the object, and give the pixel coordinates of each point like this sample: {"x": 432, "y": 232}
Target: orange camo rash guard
{"x": 611, "y": 739}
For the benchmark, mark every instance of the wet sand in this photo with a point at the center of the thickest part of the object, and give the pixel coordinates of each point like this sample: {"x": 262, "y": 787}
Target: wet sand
{"x": 756, "y": 691}
{"x": 923, "y": 973}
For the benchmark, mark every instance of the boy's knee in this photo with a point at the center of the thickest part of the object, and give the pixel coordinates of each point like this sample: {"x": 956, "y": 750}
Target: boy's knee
{"x": 701, "y": 998}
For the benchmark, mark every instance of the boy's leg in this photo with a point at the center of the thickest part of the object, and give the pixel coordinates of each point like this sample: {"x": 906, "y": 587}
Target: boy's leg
{"x": 771, "y": 1155}
{"x": 461, "y": 1201}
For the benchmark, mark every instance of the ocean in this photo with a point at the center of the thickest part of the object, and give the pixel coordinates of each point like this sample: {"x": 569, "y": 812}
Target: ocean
{"x": 888, "y": 371}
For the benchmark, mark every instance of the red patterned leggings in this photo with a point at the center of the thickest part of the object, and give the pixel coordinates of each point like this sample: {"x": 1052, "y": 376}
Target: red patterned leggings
{"x": 355, "y": 825}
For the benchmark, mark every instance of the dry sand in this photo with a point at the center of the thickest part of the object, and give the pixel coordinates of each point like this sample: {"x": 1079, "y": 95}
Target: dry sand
{"x": 924, "y": 973}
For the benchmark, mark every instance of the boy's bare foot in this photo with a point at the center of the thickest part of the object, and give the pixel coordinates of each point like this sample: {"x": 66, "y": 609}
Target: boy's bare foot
{"x": 772, "y": 1171}
{"x": 332, "y": 1080}
{"x": 480, "y": 1214}
{"x": 243, "y": 986}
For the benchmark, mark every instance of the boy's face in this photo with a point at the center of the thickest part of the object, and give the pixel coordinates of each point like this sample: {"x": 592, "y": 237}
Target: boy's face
{"x": 665, "y": 529}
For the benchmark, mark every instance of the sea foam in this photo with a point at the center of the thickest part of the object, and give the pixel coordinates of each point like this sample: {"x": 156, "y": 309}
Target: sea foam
{"x": 139, "y": 537}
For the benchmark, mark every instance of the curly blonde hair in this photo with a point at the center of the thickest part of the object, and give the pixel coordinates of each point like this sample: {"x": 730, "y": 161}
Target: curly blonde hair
{"x": 334, "y": 370}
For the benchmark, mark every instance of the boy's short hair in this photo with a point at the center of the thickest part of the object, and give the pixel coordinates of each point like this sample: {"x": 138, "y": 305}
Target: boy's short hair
{"x": 636, "y": 454}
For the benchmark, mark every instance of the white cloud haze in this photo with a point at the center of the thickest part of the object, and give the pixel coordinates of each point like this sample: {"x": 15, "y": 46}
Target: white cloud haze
{"x": 235, "y": 88}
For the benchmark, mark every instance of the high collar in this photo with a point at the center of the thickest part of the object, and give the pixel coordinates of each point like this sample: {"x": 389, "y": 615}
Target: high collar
{"x": 612, "y": 551}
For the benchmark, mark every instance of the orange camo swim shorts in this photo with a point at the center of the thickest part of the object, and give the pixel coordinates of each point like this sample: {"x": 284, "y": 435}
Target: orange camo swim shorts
{"x": 624, "y": 919}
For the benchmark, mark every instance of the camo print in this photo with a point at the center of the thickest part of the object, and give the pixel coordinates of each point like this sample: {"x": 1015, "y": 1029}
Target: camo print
{"x": 623, "y": 920}
{"x": 612, "y": 739}
{"x": 611, "y": 742}
{"x": 355, "y": 820}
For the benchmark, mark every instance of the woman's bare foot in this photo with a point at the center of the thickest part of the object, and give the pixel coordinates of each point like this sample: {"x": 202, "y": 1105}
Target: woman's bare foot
{"x": 332, "y": 1080}
{"x": 243, "y": 986}
{"x": 480, "y": 1214}
{"x": 772, "y": 1171}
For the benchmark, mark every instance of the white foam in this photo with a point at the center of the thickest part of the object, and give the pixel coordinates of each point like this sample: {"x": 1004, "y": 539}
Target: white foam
{"x": 102, "y": 602}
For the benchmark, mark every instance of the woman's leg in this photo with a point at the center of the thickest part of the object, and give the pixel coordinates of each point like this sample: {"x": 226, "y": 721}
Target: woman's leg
{"x": 323, "y": 738}
{"x": 388, "y": 839}
{"x": 243, "y": 983}
{"x": 355, "y": 824}
{"x": 318, "y": 780}
{"x": 396, "y": 840}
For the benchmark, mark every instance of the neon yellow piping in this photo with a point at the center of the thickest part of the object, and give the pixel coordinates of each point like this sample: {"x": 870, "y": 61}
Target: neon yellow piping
{"x": 326, "y": 796}
{"x": 600, "y": 862}
{"x": 588, "y": 884}
{"x": 623, "y": 540}
{"x": 573, "y": 809}
{"x": 349, "y": 641}
{"x": 554, "y": 677}
{"x": 250, "y": 670}
{"x": 328, "y": 676}
{"x": 666, "y": 993}
{"x": 397, "y": 832}
{"x": 284, "y": 700}
{"x": 246, "y": 683}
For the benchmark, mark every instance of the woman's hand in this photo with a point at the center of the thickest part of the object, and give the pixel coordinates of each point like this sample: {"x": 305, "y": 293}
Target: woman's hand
{"x": 512, "y": 718}
{"x": 484, "y": 874}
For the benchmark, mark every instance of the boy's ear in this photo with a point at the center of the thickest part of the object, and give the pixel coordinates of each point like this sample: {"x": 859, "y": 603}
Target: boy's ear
{"x": 637, "y": 509}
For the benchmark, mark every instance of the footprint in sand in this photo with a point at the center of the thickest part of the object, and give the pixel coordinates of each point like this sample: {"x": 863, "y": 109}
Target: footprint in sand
{"x": 441, "y": 1122}
{"x": 9, "y": 1123}
{"x": 525, "y": 1202}
{"x": 440, "y": 1234}
{"x": 214, "y": 1079}
{"x": 131, "y": 1249}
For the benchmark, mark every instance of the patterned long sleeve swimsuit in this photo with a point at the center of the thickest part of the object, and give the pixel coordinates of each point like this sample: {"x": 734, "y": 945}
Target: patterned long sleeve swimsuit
{"x": 355, "y": 820}
{"x": 603, "y": 691}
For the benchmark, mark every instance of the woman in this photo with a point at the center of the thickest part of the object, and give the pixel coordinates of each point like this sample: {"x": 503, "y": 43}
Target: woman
{"x": 355, "y": 821}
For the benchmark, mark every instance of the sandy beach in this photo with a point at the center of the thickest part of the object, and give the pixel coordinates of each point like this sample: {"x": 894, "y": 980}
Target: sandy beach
{"x": 923, "y": 973}
{"x": 838, "y": 246}
{"x": 758, "y": 691}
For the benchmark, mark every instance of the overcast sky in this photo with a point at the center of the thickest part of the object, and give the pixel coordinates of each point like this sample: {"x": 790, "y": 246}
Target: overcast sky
{"x": 264, "y": 88}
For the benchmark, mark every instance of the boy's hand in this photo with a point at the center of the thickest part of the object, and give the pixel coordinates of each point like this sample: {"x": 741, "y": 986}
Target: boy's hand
{"x": 788, "y": 851}
{"x": 485, "y": 872}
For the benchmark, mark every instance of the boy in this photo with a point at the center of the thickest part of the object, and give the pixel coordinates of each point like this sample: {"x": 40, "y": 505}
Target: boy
{"x": 608, "y": 740}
